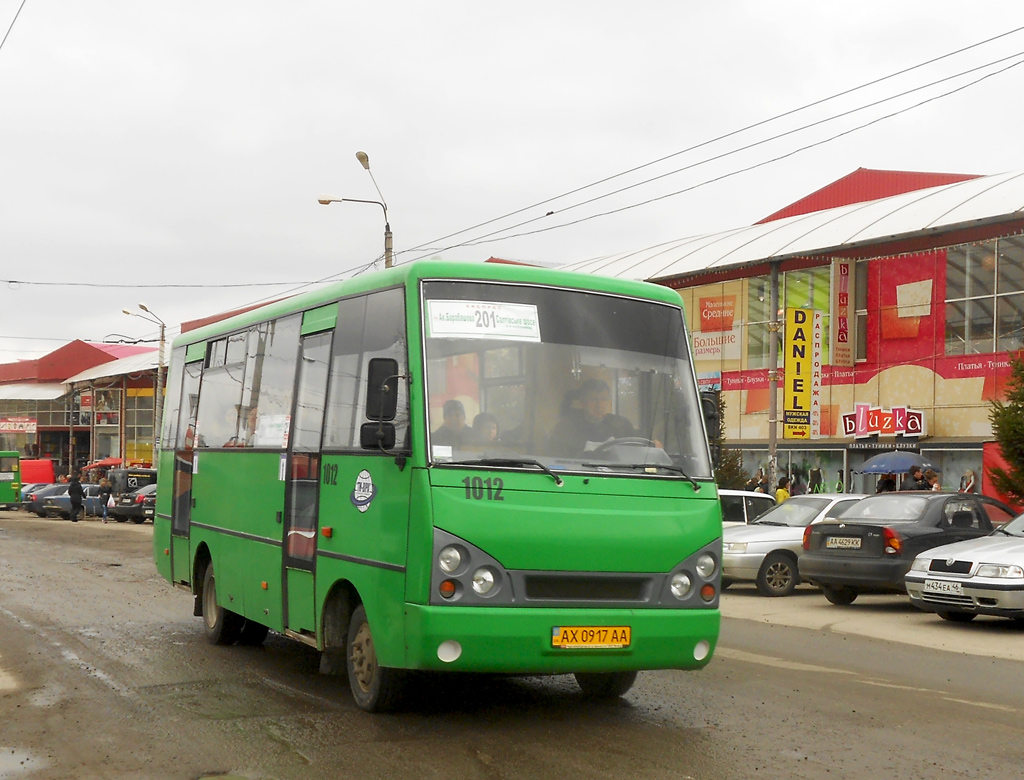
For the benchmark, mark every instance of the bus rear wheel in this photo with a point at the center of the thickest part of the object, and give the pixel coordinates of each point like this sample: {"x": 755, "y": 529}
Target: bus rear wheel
{"x": 223, "y": 627}
{"x": 605, "y": 685}
{"x": 375, "y": 688}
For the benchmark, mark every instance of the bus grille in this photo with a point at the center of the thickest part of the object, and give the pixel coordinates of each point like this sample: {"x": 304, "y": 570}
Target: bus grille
{"x": 590, "y": 587}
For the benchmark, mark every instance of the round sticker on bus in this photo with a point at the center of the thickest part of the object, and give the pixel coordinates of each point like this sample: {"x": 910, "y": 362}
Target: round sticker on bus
{"x": 363, "y": 492}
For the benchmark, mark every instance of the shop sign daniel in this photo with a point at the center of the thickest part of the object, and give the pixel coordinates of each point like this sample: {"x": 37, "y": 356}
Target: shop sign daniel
{"x": 803, "y": 357}
{"x": 866, "y": 420}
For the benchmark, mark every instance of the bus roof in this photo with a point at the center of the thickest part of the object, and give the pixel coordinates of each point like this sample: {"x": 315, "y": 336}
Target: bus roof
{"x": 411, "y": 273}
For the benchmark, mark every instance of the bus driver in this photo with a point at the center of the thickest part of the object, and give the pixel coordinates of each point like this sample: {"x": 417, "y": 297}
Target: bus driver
{"x": 582, "y": 430}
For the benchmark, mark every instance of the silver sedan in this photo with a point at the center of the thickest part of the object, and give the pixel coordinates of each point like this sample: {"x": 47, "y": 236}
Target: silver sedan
{"x": 765, "y": 552}
{"x": 983, "y": 576}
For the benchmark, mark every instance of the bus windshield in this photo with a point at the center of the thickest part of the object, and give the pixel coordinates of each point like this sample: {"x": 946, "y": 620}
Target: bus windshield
{"x": 577, "y": 381}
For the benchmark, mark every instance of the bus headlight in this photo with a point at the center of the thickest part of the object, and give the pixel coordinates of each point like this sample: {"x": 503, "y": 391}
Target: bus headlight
{"x": 706, "y": 566}
{"x": 449, "y": 559}
{"x": 483, "y": 581}
{"x": 681, "y": 585}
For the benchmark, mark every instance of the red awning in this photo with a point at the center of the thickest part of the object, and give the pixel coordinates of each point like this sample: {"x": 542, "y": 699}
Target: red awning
{"x": 106, "y": 463}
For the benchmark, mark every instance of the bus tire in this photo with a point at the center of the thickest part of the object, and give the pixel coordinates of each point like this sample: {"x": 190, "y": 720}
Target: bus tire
{"x": 223, "y": 627}
{"x": 605, "y": 685}
{"x": 252, "y": 634}
{"x": 375, "y": 688}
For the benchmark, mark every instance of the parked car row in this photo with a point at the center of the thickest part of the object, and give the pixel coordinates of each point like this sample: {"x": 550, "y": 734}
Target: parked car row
{"x": 958, "y": 555}
{"x": 136, "y": 506}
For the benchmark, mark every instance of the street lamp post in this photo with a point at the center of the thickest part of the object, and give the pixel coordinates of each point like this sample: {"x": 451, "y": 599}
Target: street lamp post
{"x": 364, "y": 160}
{"x": 158, "y": 404}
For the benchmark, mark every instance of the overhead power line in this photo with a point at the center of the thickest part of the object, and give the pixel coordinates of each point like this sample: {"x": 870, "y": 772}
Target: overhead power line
{"x": 723, "y": 137}
{"x": 496, "y": 235}
{"x": 11, "y": 27}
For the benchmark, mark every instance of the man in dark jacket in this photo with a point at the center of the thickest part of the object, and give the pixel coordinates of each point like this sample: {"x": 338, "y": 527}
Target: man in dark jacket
{"x": 76, "y": 494}
{"x": 587, "y": 428}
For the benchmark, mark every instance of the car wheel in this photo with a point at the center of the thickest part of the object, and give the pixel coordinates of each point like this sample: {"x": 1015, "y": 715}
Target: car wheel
{"x": 223, "y": 626}
{"x": 375, "y": 688}
{"x": 777, "y": 576}
{"x": 138, "y": 520}
{"x": 605, "y": 685}
{"x": 725, "y": 584}
{"x": 957, "y": 617}
{"x": 841, "y": 597}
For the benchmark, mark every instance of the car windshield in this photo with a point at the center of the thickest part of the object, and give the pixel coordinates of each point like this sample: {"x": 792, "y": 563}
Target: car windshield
{"x": 796, "y": 512}
{"x": 1013, "y": 528}
{"x": 892, "y": 507}
{"x": 569, "y": 380}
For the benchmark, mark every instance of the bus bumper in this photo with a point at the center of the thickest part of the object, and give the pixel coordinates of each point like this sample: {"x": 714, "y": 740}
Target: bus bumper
{"x": 519, "y": 640}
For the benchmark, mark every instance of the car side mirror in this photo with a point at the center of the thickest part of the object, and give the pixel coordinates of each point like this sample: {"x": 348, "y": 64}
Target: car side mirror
{"x": 382, "y": 390}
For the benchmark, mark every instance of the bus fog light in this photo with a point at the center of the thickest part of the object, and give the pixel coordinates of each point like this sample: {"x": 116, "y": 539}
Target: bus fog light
{"x": 681, "y": 585}
{"x": 447, "y": 589}
{"x": 449, "y": 559}
{"x": 707, "y": 592}
{"x": 483, "y": 581}
{"x": 449, "y": 651}
{"x": 706, "y": 566}
{"x": 701, "y": 650}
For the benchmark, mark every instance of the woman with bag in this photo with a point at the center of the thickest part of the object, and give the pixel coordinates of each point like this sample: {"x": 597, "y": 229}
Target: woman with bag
{"x": 106, "y": 497}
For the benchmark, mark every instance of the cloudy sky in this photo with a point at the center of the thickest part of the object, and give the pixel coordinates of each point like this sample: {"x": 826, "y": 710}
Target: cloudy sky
{"x": 186, "y": 143}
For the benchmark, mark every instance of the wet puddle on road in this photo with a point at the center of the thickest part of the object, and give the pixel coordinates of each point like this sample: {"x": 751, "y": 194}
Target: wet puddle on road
{"x": 18, "y": 763}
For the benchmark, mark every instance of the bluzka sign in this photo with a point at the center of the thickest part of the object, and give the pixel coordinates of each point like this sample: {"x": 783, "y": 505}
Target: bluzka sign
{"x": 867, "y": 420}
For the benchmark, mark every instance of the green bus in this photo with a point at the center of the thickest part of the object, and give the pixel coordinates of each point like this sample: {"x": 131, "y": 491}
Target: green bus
{"x": 447, "y": 466}
{"x": 10, "y": 479}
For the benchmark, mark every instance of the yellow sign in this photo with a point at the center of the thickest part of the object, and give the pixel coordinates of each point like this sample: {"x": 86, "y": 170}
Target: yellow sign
{"x": 798, "y": 366}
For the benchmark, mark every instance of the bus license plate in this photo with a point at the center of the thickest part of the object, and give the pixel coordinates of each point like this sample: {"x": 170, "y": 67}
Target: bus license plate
{"x": 842, "y": 543}
{"x": 590, "y": 636}
{"x": 943, "y": 586}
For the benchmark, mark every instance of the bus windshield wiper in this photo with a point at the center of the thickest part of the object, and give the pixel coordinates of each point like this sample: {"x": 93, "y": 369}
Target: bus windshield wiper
{"x": 645, "y": 467}
{"x": 510, "y": 462}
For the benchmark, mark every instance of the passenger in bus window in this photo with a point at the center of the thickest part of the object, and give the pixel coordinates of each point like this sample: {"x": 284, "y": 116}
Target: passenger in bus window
{"x": 485, "y": 428}
{"x": 453, "y": 431}
{"x": 584, "y": 429}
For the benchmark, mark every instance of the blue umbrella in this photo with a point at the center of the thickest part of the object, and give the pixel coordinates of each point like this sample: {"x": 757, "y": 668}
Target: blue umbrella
{"x": 895, "y": 462}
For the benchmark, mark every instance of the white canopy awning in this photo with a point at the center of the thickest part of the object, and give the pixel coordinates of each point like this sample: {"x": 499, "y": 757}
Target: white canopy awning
{"x": 984, "y": 200}
{"x": 133, "y": 364}
{"x": 28, "y": 391}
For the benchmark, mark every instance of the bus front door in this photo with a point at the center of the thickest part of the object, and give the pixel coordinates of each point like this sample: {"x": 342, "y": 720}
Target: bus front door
{"x": 303, "y": 483}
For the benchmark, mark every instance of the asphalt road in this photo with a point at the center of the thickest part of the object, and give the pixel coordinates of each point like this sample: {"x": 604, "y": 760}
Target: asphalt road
{"x": 104, "y": 673}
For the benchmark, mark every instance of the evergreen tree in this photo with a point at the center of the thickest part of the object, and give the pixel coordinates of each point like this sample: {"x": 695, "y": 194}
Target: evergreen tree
{"x": 1007, "y": 419}
{"x": 729, "y": 471}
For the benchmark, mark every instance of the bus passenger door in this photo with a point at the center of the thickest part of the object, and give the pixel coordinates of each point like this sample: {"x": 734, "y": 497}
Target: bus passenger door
{"x": 184, "y": 453}
{"x": 303, "y": 483}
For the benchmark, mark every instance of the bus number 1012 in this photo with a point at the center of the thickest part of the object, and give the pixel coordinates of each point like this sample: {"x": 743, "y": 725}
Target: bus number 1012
{"x": 478, "y": 488}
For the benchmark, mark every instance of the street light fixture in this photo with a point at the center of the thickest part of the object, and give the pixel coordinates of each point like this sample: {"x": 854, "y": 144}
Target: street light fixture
{"x": 364, "y": 160}
{"x": 158, "y": 405}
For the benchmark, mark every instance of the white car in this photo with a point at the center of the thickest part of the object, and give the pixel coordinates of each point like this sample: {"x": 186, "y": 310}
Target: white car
{"x": 765, "y": 552}
{"x": 983, "y": 576}
{"x": 740, "y": 507}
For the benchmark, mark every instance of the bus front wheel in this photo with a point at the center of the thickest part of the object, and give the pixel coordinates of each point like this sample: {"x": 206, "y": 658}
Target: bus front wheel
{"x": 605, "y": 685}
{"x": 223, "y": 627}
{"x": 375, "y": 688}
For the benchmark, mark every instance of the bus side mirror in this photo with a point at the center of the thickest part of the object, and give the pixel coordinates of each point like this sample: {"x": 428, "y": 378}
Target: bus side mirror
{"x": 377, "y": 436}
{"x": 709, "y": 408}
{"x": 382, "y": 389}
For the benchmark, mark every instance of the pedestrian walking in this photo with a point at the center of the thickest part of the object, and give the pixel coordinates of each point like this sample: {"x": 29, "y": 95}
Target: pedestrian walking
{"x": 106, "y": 497}
{"x": 76, "y": 493}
